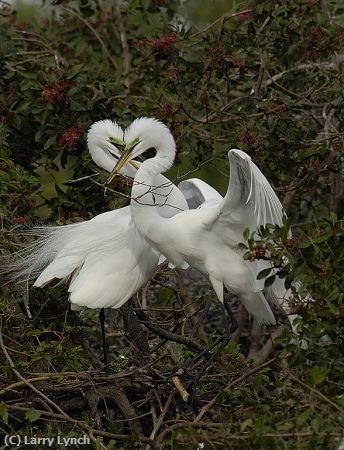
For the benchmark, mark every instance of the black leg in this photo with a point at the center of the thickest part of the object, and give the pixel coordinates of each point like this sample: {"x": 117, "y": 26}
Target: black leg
{"x": 229, "y": 325}
{"x": 232, "y": 319}
{"x": 102, "y": 325}
{"x": 133, "y": 327}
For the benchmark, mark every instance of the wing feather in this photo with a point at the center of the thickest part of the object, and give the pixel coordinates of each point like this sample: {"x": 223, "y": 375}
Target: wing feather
{"x": 250, "y": 199}
{"x": 197, "y": 193}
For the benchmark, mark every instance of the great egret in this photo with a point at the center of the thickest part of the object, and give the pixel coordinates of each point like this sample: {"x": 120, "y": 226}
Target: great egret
{"x": 105, "y": 259}
{"x": 206, "y": 238}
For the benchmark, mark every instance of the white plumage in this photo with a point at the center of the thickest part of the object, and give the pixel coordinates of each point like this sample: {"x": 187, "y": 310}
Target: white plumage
{"x": 206, "y": 238}
{"x": 106, "y": 259}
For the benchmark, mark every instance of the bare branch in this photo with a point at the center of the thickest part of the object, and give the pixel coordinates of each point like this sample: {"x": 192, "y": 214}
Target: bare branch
{"x": 124, "y": 42}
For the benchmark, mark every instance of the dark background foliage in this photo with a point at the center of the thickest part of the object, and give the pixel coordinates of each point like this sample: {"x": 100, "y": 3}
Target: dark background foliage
{"x": 266, "y": 77}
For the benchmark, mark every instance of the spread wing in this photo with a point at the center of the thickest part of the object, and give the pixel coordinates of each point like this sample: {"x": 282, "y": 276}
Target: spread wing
{"x": 250, "y": 200}
{"x": 197, "y": 193}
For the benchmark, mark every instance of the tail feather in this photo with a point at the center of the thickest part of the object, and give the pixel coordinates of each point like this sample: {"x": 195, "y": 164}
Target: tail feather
{"x": 257, "y": 305}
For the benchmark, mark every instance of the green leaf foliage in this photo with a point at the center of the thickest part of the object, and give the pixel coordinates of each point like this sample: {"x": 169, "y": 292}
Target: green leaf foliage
{"x": 266, "y": 77}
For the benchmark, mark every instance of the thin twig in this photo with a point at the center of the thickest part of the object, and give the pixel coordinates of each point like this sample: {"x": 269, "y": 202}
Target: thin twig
{"x": 229, "y": 387}
{"x": 310, "y": 388}
{"x": 124, "y": 42}
{"x": 221, "y": 19}
{"x": 35, "y": 390}
{"x": 86, "y": 427}
{"x": 94, "y": 31}
{"x": 162, "y": 415}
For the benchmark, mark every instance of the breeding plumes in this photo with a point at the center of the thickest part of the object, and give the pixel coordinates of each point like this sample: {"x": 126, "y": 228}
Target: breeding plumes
{"x": 106, "y": 259}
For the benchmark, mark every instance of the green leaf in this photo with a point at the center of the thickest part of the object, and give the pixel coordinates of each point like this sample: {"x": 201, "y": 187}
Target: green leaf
{"x": 32, "y": 415}
{"x": 264, "y": 273}
{"x": 303, "y": 417}
{"x": 49, "y": 142}
{"x": 246, "y": 233}
{"x": 248, "y": 423}
{"x": 268, "y": 282}
{"x": 317, "y": 375}
{"x": 75, "y": 70}
{"x": 3, "y": 412}
{"x": 44, "y": 212}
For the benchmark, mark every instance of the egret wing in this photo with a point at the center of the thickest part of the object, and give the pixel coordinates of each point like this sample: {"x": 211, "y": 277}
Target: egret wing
{"x": 106, "y": 258}
{"x": 250, "y": 199}
{"x": 197, "y": 193}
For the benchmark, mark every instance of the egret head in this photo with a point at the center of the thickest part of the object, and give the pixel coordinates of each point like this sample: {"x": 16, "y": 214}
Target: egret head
{"x": 145, "y": 133}
{"x": 104, "y": 140}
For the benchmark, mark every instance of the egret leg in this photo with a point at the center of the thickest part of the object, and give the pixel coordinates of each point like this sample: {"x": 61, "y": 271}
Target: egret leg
{"x": 233, "y": 323}
{"x": 102, "y": 325}
{"x": 134, "y": 328}
{"x": 230, "y": 325}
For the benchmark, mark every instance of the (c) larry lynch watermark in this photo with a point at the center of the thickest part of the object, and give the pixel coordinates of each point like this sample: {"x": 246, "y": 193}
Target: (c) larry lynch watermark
{"x": 17, "y": 440}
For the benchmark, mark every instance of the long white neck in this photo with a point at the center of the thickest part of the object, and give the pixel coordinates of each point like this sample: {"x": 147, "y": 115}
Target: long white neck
{"x": 150, "y": 192}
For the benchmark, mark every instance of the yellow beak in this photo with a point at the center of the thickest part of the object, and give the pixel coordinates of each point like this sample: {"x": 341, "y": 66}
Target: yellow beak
{"x": 120, "y": 163}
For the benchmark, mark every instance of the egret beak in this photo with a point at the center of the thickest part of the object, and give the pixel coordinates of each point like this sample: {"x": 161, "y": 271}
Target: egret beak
{"x": 120, "y": 163}
{"x": 121, "y": 144}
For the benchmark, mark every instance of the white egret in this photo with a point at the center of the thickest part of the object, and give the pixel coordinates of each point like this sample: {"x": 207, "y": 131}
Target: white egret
{"x": 206, "y": 238}
{"x": 105, "y": 259}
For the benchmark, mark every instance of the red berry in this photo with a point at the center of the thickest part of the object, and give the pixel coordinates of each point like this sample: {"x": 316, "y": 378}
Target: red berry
{"x": 163, "y": 44}
{"x": 71, "y": 136}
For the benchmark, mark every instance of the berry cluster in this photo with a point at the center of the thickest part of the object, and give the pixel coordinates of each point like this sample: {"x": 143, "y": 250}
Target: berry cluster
{"x": 20, "y": 220}
{"x": 57, "y": 92}
{"x": 163, "y": 45}
{"x": 317, "y": 44}
{"x": 142, "y": 43}
{"x": 176, "y": 131}
{"x": 218, "y": 57}
{"x": 258, "y": 251}
{"x": 247, "y": 138}
{"x": 166, "y": 110}
{"x": 316, "y": 33}
{"x": 291, "y": 243}
{"x": 238, "y": 61}
{"x": 71, "y": 136}
{"x": 124, "y": 182}
{"x": 278, "y": 107}
{"x": 172, "y": 72}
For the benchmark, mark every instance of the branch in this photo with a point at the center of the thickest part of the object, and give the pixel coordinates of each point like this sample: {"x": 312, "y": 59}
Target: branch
{"x": 124, "y": 42}
{"x": 24, "y": 380}
{"x": 94, "y": 31}
{"x": 229, "y": 387}
{"x": 39, "y": 393}
{"x": 86, "y": 427}
{"x": 261, "y": 356}
{"x": 162, "y": 415}
{"x": 189, "y": 342}
{"x": 315, "y": 391}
